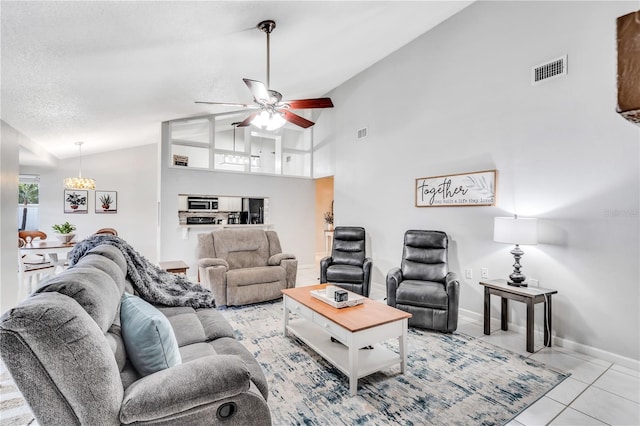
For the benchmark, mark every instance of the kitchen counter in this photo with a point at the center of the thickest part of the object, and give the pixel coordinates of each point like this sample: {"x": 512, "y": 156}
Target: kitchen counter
{"x": 185, "y": 227}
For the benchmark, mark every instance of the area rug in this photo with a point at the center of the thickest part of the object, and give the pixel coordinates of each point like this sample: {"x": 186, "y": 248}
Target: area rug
{"x": 451, "y": 379}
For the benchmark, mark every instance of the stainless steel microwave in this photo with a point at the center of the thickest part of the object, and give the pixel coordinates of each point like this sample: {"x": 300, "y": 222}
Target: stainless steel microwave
{"x": 209, "y": 204}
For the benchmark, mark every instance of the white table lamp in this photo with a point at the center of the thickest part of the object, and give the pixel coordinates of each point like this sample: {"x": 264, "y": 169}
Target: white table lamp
{"x": 514, "y": 230}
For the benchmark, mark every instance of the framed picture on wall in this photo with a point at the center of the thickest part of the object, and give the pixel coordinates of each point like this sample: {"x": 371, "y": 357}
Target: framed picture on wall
{"x": 462, "y": 189}
{"x": 106, "y": 202}
{"x": 75, "y": 201}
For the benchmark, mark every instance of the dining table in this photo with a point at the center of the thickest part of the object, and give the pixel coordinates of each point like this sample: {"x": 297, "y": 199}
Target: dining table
{"x": 49, "y": 248}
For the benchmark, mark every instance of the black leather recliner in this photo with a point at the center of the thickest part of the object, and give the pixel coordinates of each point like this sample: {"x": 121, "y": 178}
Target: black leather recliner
{"x": 423, "y": 285}
{"x": 347, "y": 267}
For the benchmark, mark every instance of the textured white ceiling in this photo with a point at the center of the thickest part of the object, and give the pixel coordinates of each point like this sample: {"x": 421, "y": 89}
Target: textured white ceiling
{"x": 108, "y": 72}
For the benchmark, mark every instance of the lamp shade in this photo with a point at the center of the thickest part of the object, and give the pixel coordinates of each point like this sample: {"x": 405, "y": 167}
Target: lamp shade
{"x": 514, "y": 230}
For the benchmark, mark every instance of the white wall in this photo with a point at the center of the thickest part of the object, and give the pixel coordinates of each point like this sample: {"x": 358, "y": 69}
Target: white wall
{"x": 132, "y": 173}
{"x": 291, "y": 209}
{"x": 9, "y": 148}
{"x": 459, "y": 99}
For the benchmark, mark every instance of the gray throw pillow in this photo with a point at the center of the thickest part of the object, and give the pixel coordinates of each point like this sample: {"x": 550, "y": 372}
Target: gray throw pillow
{"x": 148, "y": 337}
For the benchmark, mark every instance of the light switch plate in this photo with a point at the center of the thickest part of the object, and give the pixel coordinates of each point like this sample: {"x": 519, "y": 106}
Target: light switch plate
{"x": 484, "y": 272}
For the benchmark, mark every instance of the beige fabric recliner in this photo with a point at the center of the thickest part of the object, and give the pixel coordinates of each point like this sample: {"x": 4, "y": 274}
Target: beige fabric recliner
{"x": 243, "y": 266}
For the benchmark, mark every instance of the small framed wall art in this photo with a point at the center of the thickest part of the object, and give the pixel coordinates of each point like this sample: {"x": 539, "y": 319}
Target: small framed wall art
{"x": 75, "y": 201}
{"x": 464, "y": 189}
{"x": 106, "y": 202}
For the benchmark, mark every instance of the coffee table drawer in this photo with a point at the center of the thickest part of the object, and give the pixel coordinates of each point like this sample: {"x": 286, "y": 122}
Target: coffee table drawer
{"x": 299, "y": 309}
{"x": 331, "y": 327}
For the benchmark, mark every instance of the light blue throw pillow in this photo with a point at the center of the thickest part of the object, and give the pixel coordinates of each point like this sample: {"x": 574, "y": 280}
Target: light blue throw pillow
{"x": 148, "y": 337}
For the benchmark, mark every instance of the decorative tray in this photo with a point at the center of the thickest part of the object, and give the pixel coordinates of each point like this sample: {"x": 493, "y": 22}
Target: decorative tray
{"x": 353, "y": 299}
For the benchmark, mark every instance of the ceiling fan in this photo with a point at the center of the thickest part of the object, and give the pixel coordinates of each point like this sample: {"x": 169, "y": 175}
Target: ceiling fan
{"x": 271, "y": 112}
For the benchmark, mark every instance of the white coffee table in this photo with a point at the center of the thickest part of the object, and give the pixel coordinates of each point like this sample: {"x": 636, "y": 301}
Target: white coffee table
{"x": 368, "y": 324}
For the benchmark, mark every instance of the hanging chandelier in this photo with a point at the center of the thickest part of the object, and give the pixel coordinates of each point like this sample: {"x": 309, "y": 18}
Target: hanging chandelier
{"x": 79, "y": 182}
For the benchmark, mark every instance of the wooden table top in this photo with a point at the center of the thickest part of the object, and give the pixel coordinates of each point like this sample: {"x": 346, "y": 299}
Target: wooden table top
{"x": 45, "y": 245}
{"x": 369, "y": 314}
{"x": 173, "y": 264}
{"x": 501, "y": 284}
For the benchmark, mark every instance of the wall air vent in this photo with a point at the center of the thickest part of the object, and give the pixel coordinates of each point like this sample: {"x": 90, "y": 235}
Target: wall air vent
{"x": 548, "y": 70}
{"x": 362, "y": 133}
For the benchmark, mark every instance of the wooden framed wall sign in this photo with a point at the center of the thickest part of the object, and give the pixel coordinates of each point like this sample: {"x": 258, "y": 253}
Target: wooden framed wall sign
{"x": 464, "y": 189}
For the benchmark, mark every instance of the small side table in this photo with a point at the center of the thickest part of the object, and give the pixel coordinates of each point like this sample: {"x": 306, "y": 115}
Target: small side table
{"x": 175, "y": 266}
{"x": 328, "y": 240}
{"x": 528, "y": 295}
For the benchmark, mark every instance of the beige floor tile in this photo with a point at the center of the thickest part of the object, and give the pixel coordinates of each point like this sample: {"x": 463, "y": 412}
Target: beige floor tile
{"x": 541, "y": 412}
{"x": 571, "y": 417}
{"x": 620, "y": 384}
{"x": 580, "y": 369}
{"x": 607, "y": 407}
{"x": 567, "y": 391}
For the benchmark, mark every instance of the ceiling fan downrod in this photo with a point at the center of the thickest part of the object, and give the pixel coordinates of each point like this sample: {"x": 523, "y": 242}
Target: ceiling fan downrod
{"x": 266, "y": 27}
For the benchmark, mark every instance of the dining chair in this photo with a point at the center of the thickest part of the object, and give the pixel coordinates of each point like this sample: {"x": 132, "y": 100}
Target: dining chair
{"x": 32, "y": 273}
{"x": 107, "y": 231}
{"x": 28, "y": 236}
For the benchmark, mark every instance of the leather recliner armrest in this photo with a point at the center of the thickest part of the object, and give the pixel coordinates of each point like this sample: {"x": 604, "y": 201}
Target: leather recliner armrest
{"x": 453, "y": 291}
{"x": 183, "y": 387}
{"x": 325, "y": 262}
{"x": 394, "y": 278}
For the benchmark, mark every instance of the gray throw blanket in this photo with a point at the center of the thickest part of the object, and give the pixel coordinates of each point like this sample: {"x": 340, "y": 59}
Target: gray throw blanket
{"x": 153, "y": 284}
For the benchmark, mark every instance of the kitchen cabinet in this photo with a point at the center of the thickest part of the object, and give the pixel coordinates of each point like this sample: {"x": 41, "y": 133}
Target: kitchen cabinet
{"x": 229, "y": 204}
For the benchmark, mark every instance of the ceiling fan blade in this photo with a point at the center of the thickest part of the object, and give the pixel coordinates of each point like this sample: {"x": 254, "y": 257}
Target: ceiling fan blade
{"x": 296, "y": 119}
{"x": 247, "y": 121}
{"x": 258, "y": 90}
{"x": 225, "y": 103}
{"x": 310, "y": 103}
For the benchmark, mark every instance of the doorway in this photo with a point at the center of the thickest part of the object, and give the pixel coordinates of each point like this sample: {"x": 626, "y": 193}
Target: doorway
{"x": 324, "y": 204}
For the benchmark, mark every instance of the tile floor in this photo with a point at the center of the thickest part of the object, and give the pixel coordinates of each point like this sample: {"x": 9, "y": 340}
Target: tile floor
{"x": 597, "y": 392}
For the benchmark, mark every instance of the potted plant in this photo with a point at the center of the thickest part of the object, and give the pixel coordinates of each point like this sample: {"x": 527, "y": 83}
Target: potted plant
{"x": 106, "y": 201}
{"x": 328, "y": 220}
{"x": 76, "y": 200}
{"x": 65, "y": 231}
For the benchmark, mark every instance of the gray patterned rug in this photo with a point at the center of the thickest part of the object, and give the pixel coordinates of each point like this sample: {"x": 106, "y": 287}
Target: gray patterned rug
{"x": 451, "y": 379}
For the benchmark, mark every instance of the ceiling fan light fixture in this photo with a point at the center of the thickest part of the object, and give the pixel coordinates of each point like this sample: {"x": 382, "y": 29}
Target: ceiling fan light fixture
{"x": 79, "y": 182}
{"x": 269, "y": 121}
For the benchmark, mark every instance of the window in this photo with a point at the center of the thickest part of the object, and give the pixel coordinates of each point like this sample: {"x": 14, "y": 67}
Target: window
{"x": 28, "y": 201}
{"x": 216, "y": 143}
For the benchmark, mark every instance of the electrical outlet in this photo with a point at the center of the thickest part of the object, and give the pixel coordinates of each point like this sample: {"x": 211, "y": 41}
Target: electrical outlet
{"x": 468, "y": 273}
{"x": 484, "y": 272}
{"x": 533, "y": 282}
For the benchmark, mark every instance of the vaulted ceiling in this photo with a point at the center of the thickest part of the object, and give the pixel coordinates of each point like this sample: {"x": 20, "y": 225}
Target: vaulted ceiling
{"x": 109, "y": 72}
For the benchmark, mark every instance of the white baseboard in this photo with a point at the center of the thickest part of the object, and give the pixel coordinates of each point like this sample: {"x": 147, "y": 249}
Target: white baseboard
{"x": 565, "y": 343}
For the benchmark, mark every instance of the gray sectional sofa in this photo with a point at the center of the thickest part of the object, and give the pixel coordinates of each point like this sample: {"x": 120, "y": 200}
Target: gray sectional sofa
{"x": 64, "y": 348}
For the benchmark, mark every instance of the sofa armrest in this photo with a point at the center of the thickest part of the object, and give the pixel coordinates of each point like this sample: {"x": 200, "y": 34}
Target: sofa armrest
{"x": 213, "y": 275}
{"x": 276, "y": 259}
{"x": 291, "y": 271}
{"x": 184, "y": 387}
{"x": 394, "y": 278}
{"x": 209, "y": 261}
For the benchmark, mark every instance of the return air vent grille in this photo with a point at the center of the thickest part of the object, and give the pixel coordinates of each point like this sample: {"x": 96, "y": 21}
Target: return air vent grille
{"x": 362, "y": 133}
{"x": 548, "y": 70}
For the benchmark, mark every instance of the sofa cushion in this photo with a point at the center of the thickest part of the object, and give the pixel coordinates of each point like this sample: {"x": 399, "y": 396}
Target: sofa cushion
{"x": 95, "y": 290}
{"x": 242, "y": 248}
{"x": 345, "y": 274}
{"x": 426, "y": 294}
{"x": 251, "y": 276}
{"x": 150, "y": 341}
